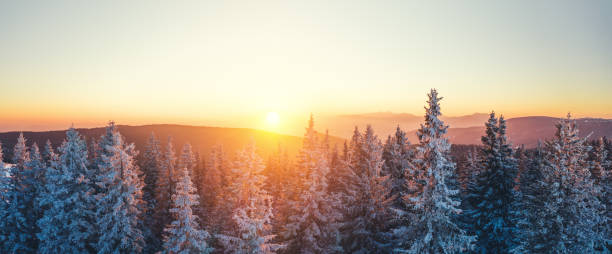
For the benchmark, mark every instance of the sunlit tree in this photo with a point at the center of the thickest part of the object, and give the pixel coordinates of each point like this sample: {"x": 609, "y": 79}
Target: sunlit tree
{"x": 67, "y": 222}
{"x": 432, "y": 200}
{"x": 120, "y": 204}
{"x": 184, "y": 235}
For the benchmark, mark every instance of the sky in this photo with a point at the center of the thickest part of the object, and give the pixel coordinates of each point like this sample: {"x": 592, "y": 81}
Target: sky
{"x": 230, "y": 63}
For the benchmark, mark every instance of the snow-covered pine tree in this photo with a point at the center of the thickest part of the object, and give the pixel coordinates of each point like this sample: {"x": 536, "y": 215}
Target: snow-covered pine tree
{"x": 3, "y": 180}
{"x": 183, "y": 235}
{"x": 573, "y": 202}
{"x": 432, "y": 201}
{"x": 212, "y": 190}
{"x": 602, "y": 167}
{"x": 252, "y": 204}
{"x": 313, "y": 226}
{"x": 368, "y": 210}
{"x": 120, "y": 204}
{"x": 163, "y": 189}
{"x": 36, "y": 183}
{"x": 397, "y": 156}
{"x": 187, "y": 159}
{"x": 151, "y": 164}
{"x": 493, "y": 192}
{"x": 49, "y": 156}
{"x": 18, "y": 222}
{"x": 536, "y": 224}
{"x": 66, "y": 225}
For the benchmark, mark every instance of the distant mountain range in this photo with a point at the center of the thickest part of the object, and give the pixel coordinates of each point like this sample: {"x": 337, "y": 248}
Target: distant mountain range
{"x": 466, "y": 129}
{"x": 201, "y": 138}
{"x": 463, "y": 130}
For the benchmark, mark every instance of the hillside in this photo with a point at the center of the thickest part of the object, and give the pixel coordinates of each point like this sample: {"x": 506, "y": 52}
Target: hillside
{"x": 528, "y": 130}
{"x": 201, "y": 138}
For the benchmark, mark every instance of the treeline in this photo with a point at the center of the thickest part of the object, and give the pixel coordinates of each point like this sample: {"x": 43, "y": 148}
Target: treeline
{"x": 365, "y": 197}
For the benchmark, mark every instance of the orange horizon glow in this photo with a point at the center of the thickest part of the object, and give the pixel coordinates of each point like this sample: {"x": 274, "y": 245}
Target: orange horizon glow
{"x": 228, "y": 64}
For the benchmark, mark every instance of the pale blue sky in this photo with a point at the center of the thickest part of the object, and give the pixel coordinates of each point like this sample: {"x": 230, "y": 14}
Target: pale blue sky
{"x": 202, "y": 62}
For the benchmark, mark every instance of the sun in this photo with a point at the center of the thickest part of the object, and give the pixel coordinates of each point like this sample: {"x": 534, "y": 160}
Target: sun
{"x": 272, "y": 118}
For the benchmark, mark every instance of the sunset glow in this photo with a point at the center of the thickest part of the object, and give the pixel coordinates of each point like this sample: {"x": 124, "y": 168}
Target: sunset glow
{"x": 229, "y": 63}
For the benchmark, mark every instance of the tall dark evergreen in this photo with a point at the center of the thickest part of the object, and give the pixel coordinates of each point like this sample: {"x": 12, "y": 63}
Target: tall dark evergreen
{"x": 367, "y": 208}
{"x": 151, "y": 166}
{"x": 67, "y": 224}
{"x": 120, "y": 204}
{"x": 397, "y": 156}
{"x": 18, "y": 222}
{"x": 431, "y": 200}
{"x": 494, "y": 191}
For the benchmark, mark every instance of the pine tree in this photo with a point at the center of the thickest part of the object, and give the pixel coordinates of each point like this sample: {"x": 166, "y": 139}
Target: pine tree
{"x": 164, "y": 188}
{"x": 36, "y": 183}
{"x": 66, "y": 225}
{"x": 252, "y": 206}
{"x": 368, "y": 212}
{"x": 432, "y": 201}
{"x": 18, "y": 222}
{"x": 606, "y": 193}
{"x": 397, "y": 156}
{"x": 120, "y": 203}
{"x": 187, "y": 159}
{"x": 183, "y": 235}
{"x": 570, "y": 208}
{"x": 151, "y": 165}
{"x": 494, "y": 191}
{"x": 533, "y": 220}
{"x": 313, "y": 226}
{"x": 212, "y": 189}
{"x": 49, "y": 156}
{"x": 602, "y": 167}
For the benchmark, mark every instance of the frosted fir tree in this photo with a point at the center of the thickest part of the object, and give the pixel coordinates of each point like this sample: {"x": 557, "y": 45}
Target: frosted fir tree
{"x": 571, "y": 208}
{"x": 432, "y": 201}
{"x": 36, "y": 183}
{"x": 3, "y": 179}
{"x": 493, "y": 192}
{"x": 213, "y": 187}
{"x": 605, "y": 181}
{"x": 164, "y": 189}
{"x": 66, "y": 225}
{"x": 18, "y": 221}
{"x": 537, "y": 223}
{"x": 49, "y": 156}
{"x": 252, "y": 204}
{"x": 151, "y": 166}
{"x": 397, "y": 156}
{"x": 183, "y": 235}
{"x": 313, "y": 226}
{"x": 603, "y": 167}
{"x": 368, "y": 211}
{"x": 120, "y": 204}
{"x": 187, "y": 159}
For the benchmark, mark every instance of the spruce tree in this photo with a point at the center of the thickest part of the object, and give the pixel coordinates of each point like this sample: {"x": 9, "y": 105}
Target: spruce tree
{"x": 536, "y": 224}
{"x": 571, "y": 202}
{"x": 313, "y": 225}
{"x": 49, "y": 156}
{"x": 368, "y": 210}
{"x": 163, "y": 189}
{"x": 397, "y": 157}
{"x": 493, "y": 192}
{"x": 120, "y": 204}
{"x": 183, "y": 235}
{"x": 431, "y": 200}
{"x": 252, "y": 207}
{"x": 18, "y": 222}
{"x": 151, "y": 165}
{"x": 66, "y": 225}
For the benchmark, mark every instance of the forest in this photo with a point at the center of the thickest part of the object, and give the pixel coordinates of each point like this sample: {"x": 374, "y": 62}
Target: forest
{"x": 371, "y": 195}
